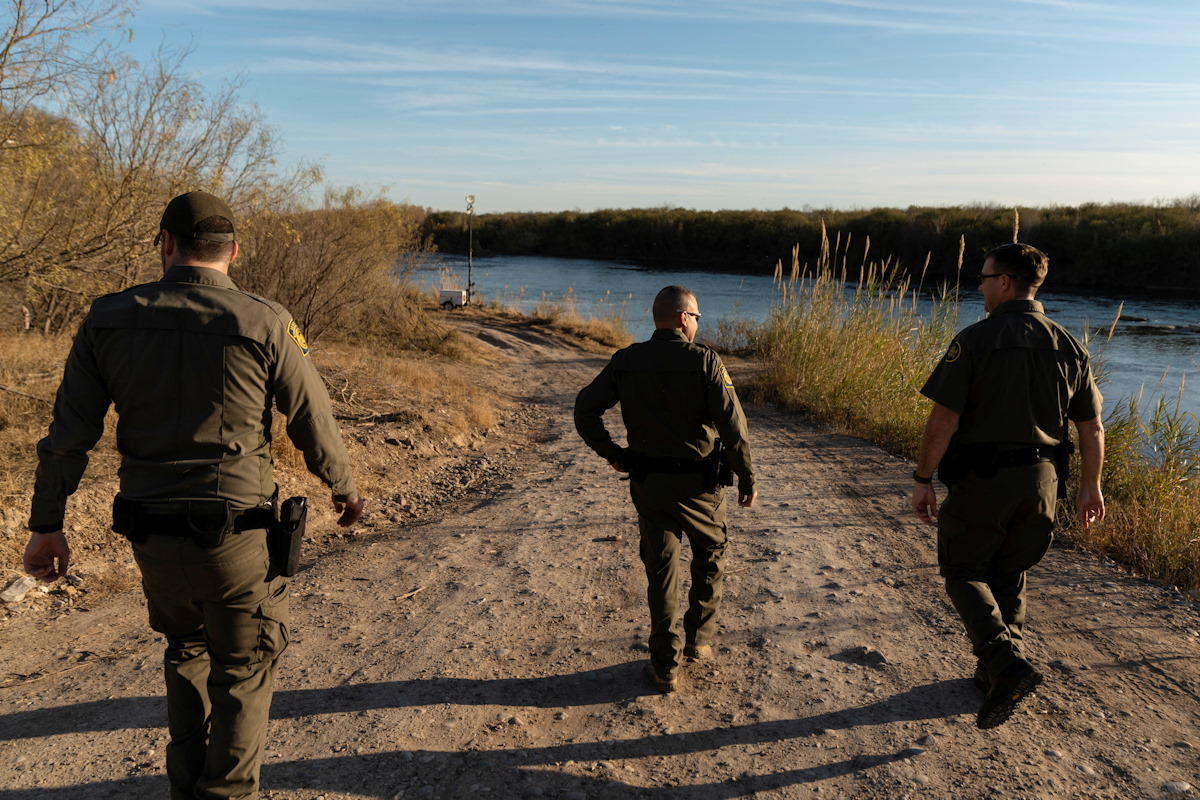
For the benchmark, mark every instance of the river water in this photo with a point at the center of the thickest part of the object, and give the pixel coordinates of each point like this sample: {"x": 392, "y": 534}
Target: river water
{"x": 1156, "y": 346}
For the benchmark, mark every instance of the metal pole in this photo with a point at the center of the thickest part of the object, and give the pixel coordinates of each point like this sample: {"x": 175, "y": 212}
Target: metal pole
{"x": 470, "y": 244}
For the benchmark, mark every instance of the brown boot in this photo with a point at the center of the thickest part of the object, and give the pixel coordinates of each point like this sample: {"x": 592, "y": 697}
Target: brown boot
{"x": 1018, "y": 680}
{"x": 664, "y": 686}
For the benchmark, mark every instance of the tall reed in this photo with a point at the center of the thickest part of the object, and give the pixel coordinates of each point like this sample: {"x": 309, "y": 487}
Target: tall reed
{"x": 854, "y": 352}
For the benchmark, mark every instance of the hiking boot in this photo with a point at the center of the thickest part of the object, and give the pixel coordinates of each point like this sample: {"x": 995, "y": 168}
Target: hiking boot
{"x": 981, "y": 679}
{"x": 697, "y": 652}
{"x": 1016, "y": 682}
{"x": 664, "y": 686}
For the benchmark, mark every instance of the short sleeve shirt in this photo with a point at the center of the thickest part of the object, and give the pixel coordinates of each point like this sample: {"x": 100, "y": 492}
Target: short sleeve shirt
{"x": 1014, "y": 378}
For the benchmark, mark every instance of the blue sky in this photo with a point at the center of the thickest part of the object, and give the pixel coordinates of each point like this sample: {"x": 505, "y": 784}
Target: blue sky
{"x": 548, "y": 105}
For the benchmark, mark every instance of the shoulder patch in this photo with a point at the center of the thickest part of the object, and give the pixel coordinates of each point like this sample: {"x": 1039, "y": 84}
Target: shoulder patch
{"x": 297, "y": 337}
{"x": 726, "y": 381}
{"x": 954, "y": 353}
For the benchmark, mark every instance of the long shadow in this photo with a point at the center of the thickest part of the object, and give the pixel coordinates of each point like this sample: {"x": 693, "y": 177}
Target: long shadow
{"x": 594, "y": 687}
{"x": 512, "y": 772}
{"x": 606, "y": 685}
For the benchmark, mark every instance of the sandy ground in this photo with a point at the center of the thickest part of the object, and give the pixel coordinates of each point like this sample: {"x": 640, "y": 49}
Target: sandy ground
{"x": 490, "y": 644}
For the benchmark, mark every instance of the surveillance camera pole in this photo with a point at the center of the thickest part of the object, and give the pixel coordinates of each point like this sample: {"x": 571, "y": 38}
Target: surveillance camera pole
{"x": 470, "y": 244}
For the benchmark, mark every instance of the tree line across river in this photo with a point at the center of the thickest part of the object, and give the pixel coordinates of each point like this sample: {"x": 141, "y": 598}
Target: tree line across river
{"x": 1104, "y": 247}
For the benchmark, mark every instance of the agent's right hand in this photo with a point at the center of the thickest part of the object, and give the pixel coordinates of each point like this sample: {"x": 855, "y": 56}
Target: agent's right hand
{"x": 47, "y": 556}
{"x": 924, "y": 503}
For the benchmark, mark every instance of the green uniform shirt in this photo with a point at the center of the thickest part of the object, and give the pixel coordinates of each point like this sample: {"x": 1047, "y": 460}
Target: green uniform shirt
{"x": 676, "y": 398}
{"x": 192, "y": 365}
{"x": 1014, "y": 377}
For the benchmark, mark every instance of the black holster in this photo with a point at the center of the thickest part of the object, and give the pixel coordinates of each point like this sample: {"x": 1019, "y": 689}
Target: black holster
{"x": 286, "y": 537}
{"x": 953, "y": 466}
{"x": 125, "y": 519}
{"x": 718, "y": 471}
{"x": 1062, "y": 463}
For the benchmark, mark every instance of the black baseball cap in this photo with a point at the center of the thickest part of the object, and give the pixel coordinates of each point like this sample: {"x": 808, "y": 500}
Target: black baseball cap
{"x": 187, "y": 211}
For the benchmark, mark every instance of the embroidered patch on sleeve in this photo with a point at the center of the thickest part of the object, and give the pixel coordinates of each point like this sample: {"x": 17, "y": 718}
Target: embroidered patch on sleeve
{"x": 297, "y": 336}
{"x": 725, "y": 379}
{"x": 954, "y": 353}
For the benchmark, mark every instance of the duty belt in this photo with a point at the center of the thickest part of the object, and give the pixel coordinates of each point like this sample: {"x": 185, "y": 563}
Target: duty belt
{"x": 177, "y": 523}
{"x": 672, "y": 466}
{"x": 1025, "y": 456}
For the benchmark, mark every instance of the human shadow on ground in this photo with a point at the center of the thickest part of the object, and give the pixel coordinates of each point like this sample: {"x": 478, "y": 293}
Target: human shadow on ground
{"x": 606, "y": 685}
{"x": 554, "y": 769}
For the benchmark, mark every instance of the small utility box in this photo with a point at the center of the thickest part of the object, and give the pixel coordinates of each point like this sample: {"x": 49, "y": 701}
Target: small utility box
{"x": 452, "y": 298}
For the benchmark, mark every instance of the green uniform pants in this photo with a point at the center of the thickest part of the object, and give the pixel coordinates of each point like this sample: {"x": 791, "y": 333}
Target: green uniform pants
{"x": 670, "y": 507}
{"x": 226, "y": 625}
{"x": 990, "y": 531}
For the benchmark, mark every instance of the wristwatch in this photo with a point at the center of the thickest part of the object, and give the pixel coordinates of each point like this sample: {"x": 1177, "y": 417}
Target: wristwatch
{"x": 920, "y": 479}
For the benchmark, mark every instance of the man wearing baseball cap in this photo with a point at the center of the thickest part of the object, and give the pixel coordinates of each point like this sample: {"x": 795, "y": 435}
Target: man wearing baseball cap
{"x": 193, "y": 365}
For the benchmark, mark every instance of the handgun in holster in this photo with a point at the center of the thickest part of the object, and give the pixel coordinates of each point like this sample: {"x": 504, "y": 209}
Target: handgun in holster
{"x": 287, "y": 536}
{"x": 718, "y": 471}
{"x": 1062, "y": 463}
{"x": 954, "y": 463}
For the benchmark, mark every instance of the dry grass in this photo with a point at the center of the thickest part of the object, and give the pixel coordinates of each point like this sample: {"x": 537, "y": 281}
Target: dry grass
{"x": 604, "y": 324}
{"x": 379, "y": 387}
{"x": 851, "y": 354}
{"x": 428, "y": 400}
{"x": 30, "y": 368}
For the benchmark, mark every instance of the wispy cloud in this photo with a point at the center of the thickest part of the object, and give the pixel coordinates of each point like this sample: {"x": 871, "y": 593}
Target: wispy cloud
{"x": 744, "y": 103}
{"x": 1160, "y": 22}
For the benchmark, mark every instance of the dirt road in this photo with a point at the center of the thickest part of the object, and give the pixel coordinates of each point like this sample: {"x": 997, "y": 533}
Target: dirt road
{"x": 494, "y": 648}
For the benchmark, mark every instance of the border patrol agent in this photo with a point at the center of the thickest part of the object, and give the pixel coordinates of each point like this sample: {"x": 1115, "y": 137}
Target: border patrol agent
{"x": 192, "y": 365}
{"x": 676, "y": 399}
{"x": 1002, "y": 396}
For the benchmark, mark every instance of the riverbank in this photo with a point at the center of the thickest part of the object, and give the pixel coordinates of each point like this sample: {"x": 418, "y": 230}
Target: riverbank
{"x": 1138, "y": 356}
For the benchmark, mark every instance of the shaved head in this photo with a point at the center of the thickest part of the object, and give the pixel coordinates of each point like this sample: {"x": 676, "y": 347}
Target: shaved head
{"x": 669, "y": 302}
